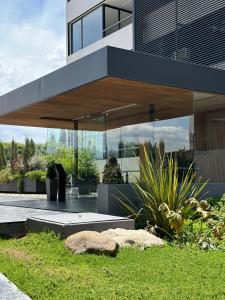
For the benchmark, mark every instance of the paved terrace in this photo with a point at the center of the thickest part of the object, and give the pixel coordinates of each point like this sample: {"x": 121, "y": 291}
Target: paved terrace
{"x": 81, "y": 204}
{"x": 22, "y": 213}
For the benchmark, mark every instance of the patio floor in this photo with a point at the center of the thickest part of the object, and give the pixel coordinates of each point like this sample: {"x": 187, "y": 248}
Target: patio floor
{"x": 77, "y": 205}
{"x": 22, "y": 213}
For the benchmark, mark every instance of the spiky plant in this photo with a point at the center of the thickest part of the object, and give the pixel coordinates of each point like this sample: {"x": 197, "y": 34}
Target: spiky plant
{"x": 165, "y": 202}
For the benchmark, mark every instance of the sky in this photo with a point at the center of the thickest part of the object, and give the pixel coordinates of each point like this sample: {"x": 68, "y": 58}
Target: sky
{"x": 32, "y": 44}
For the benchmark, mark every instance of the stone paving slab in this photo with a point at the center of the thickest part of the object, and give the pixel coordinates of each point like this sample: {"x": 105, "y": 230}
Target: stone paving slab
{"x": 16, "y": 221}
{"x": 76, "y": 218}
{"x": 69, "y": 223}
{"x": 16, "y": 197}
{"x": 8, "y": 290}
{"x": 11, "y": 214}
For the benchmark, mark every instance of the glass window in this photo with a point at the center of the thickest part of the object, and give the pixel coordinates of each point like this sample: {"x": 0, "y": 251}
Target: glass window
{"x": 92, "y": 27}
{"x": 124, "y": 18}
{"x": 111, "y": 20}
{"x": 76, "y": 36}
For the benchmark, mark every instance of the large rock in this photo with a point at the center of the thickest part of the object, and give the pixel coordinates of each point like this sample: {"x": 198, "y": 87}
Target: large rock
{"x": 91, "y": 242}
{"x": 139, "y": 238}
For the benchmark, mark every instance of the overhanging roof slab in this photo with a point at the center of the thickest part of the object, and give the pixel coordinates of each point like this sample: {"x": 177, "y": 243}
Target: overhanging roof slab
{"x": 106, "y": 79}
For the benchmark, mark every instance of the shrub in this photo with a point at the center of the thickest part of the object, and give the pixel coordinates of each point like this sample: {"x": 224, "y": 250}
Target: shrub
{"x": 87, "y": 169}
{"x": 3, "y": 162}
{"x": 36, "y": 175}
{"x": 112, "y": 172}
{"x": 166, "y": 203}
{"x": 64, "y": 156}
{"x": 6, "y": 176}
{"x": 206, "y": 232}
{"x": 17, "y": 166}
{"x": 37, "y": 163}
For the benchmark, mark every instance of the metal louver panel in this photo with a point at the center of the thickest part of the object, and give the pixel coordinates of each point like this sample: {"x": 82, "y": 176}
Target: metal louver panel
{"x": 187, "y": 30}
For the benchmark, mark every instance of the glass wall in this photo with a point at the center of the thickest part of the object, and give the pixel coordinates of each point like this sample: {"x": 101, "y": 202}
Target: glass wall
{"x": 124, "y": 132}
{"x": 90, "y": 149}
{"x": 190, "y": 125}
{"x": 209, "y": 111}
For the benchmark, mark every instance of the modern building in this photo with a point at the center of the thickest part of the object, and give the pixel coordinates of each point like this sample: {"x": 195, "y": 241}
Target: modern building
{"x": 138, "y": 73}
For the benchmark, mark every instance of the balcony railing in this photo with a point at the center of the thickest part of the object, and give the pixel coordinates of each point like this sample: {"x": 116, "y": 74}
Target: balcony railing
{"x": 118, "y": 25}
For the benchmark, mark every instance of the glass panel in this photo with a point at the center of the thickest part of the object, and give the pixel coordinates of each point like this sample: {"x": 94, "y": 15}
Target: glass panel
{"x": 209, "y": 113}
{"x": 126, "y": 137}
{"x": 76, "y": 36}
{"x": 125, "y": 18}
{"x": 92, "y": 27}
{"x": 174, "y": 129}
{"x": 111, "y": 20}
{"x": 60, "y": 147}
{"x": 90, "y": 153}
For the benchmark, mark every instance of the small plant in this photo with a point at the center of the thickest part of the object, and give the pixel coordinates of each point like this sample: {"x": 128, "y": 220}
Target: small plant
{"x": 207, "y": 230}
{"x": 166, "y": 202}
{"x": 36, "y": 175}
{"x": 112, "y": 172}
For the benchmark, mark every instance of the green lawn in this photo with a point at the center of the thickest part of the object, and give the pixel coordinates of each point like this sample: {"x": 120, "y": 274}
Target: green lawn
{"x": 41, "y": 266}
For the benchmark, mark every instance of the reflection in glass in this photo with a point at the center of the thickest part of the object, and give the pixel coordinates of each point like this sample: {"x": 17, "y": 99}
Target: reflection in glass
{"x": 174, "y": 132}
{"x": 90, "y": 153}
{"x": 76, "y": 36}
{"x": 92, "y": 27}
{"x": 125, "y": 18}
{"x": 111, "y": 20}
{"x": 209, "y": 112}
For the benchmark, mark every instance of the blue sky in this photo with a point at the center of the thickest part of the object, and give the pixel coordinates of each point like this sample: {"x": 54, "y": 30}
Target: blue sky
{"x": 32, "y": 44}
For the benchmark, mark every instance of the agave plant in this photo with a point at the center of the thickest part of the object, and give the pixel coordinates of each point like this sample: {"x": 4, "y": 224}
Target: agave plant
{"x": 166, "y": 202}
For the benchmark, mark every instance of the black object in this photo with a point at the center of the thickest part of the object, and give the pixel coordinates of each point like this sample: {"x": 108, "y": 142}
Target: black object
{"x": 61, "y": 182}
{"x": 51, "y": 189}
{"x": 52, "y": 182}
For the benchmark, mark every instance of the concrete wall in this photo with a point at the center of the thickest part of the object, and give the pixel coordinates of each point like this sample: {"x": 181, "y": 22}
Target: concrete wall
{"x": 122, "y": 38}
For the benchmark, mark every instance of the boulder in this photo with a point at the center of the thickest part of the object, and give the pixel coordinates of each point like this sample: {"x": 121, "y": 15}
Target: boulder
{"x": 91, "y": 242}
{"x": 138, "y": 238}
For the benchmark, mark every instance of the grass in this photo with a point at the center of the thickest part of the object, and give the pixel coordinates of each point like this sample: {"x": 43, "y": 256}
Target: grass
{"x": 40, "y": 266}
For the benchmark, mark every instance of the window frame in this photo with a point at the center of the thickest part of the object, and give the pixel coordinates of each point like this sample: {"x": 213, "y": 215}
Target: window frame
{"x": 119, "y": 13}
{"x": 80, "y": 18}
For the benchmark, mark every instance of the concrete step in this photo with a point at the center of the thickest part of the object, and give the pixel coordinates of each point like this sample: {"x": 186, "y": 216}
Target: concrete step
{"x": 66, "y": 224}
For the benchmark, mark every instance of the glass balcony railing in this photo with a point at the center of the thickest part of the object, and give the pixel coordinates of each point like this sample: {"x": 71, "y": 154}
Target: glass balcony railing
{"x": 118, "y": 25}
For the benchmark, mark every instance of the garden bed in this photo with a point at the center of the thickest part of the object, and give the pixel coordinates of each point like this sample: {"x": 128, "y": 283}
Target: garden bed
{"x": 30, "y": 186}
{"x": 34, "y": 186}
{"x": 10, "y": 187}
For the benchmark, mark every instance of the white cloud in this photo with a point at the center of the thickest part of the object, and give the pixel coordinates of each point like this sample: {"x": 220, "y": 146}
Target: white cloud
{"x": 175, "y": 133}
{"x": 33, "y": 44}
{"x": 19, "y": 133}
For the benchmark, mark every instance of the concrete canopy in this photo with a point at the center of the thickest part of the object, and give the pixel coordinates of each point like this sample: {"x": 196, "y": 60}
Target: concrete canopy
{"x": 104, "y": 80}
